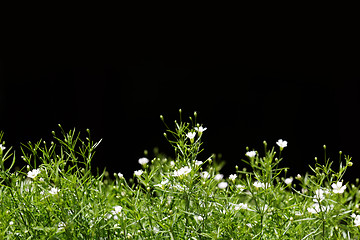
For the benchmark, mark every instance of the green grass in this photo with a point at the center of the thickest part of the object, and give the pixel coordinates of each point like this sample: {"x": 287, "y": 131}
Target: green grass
{"x": 56, "y": 196}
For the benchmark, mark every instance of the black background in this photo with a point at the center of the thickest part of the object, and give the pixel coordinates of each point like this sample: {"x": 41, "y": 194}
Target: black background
{"x": 300, "y": 89}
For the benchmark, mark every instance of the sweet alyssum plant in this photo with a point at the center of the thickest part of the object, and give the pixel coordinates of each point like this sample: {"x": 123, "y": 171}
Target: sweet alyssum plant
{"x": 56, "y": 196}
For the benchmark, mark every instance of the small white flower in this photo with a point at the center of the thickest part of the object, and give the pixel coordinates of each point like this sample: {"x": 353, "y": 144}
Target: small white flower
{"x": 232, "y": 177}
{"x": 156, "y": 230}
{"x": 259, "y": 184}
{"x": 249, "y": 225}
{"x": 200, "y": 129}
{"x": 54, "y": 191}
{"x": 240, "y": 187}
{"x": 143, "y": 161}
{"x": 198, "y": 218}
{"x": 117, "y": 210}
{"x": 251, "y": 154}
{"x": 61, "y": 226}
{"x": 33, "y": 173}
{"x": 240, "y": 206}
{"x": 281, "y": 143}
{"x": 205, "y": 174}
{"x": 298, "y": 177}
{"x": 162, "y": 184}
{"x": 198, "y": 163}
{"x": 172, "y": 163}
{"x": 2, "y": 148}
{"x": 297, "y": 213}
{"x": 222, "y": 185}
{"x": 316, "y": 208}
{"x": 182, "y": 171}
{"x": 138, "y": 172}
{"x": 11, "y": 223}
{"x": 357, "y": 221}
{"x": 218, "y": 177}
{"x": 338, "y": 188}
{"x": 191, "y": 135}
{"x": 319, "y": 195}
{"x": 120, "y": 175}
{"x": 288, "y": 181}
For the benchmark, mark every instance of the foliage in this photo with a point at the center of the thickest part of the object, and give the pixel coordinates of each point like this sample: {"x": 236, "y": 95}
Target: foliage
{"x": 56, "y": 196}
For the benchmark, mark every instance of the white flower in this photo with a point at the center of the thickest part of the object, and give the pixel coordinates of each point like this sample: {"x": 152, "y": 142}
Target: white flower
{"x": 162, "y": 184}
{"x": 232, "y": 177}
{"x": 240, "y": 206}
{"x": 191, "y": 135}
{"x": 54, "y": 190}
{"x": 117, "y": 210}
{"x": 138, "y": 172}
{"x": 205, "y": 174}
{"x": 316, "y": 208}
{"x": 198, "y": 218}
{"x": 298, "y": 177}
{"x": 32, "y": 174}
{"x": 319, "y": 195}
{"x": 120, "y": 175}
{"x": 172, "y": 163}
{"x": 251, "y": 154}
{"x": 200, "y": 129}
{"x": 2, "y": 148}
{"x": 218, "y": 177}
{"x": 182, "y": 171}
{"x": 281, "y": 143}
{"x": 61, "y": 226}
{"x": 143, "y": 161}
{"x": 198, "y": 163}
{"x": 357, "y": 221}
{"x": 222, "y": 185}
{"x": 288, "y": 181}
{"x": 338, "y": 188}
{"x": 240, "y": 187}
{"x": 249, "y": 225}
{"x": 259, "y": 184}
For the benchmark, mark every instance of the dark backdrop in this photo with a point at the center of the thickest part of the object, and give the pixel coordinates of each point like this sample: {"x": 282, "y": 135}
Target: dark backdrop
{"x": 304, "y": 96}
